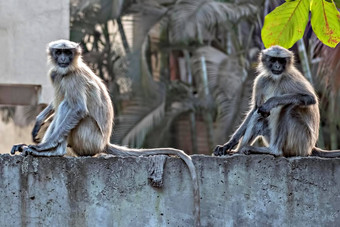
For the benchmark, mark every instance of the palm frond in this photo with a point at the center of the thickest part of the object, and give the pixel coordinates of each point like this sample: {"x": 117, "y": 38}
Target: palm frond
{"x": 136, "y": 120}
{"x": 189, "y": 18}
{"x": 144, "y": 15}
{"x": 143, "y": 112}
{"x": 226, "y": 84}
{"x": 162, "y": 131}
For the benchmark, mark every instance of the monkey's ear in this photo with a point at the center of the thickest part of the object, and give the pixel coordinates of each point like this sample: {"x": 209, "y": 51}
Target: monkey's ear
{"x": 48, "y": 49}
{"x": 79, "y": 49}
{"x": 261, "y": 57}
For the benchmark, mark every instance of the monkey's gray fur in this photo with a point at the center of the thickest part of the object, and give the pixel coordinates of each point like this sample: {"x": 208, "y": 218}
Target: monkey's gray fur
{"x": 284, "y": 111}
{"x": 83, "y": 115}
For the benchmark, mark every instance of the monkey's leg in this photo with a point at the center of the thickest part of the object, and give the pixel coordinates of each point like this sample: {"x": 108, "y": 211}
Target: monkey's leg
{"x": 39, "y": 121}
{"x": 234, "y": 140}
{"x": 59, "y": 150}
{"x": 258, "y": 126}
{"x": 66, "y": 119}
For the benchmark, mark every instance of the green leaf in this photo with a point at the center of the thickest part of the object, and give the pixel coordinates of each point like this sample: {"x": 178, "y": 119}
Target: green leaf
{"x": 285, "y": 24}
{"x": 325, "y": 22}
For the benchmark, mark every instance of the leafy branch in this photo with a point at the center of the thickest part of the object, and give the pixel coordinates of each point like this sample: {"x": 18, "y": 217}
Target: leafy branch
{"x": 286, "y": 23}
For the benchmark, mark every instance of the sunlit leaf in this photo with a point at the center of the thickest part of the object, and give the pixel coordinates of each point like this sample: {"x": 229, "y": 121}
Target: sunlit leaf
{"x": 325, "y": 22}
{"x": 286, "y": 24}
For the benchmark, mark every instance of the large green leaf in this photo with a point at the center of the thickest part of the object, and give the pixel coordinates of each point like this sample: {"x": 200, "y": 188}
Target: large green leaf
{"x": 325, "y": 22}
{"x": 286, "y": 24}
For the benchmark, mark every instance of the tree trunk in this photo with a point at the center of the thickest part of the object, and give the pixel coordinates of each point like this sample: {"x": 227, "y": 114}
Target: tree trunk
{"x": 192, "y": 116}
{"x": 304, "y": 60}
{"x": 332, "y": 123}
{"x": 123, "y": 36}
{"x": 206, "y": 94}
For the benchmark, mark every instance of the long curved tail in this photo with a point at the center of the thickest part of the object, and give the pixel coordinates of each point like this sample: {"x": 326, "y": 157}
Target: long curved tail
{"x": 124, "y": 151}
{"x": 325, "y": 153}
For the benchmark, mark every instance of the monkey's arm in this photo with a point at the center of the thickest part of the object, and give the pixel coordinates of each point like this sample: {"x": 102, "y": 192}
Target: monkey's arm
{"x": 295, "y": 99}
{"x": 47, "y": 112}
{"x": 222, "y": 150}
{"x": 67, "y": 118}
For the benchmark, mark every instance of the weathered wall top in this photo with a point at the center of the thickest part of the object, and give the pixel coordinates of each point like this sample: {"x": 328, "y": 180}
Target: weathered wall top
{"x": 257, "y": 190}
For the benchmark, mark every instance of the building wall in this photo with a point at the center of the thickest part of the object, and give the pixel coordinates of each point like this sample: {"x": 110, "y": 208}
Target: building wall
{"x": 26, "y": 26}
{"x": 25, "y": 29}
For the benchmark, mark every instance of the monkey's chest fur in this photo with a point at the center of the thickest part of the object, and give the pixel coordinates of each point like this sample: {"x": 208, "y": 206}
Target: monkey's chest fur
{"x": 85, "y": 89}
{"x": 290, "y": 121}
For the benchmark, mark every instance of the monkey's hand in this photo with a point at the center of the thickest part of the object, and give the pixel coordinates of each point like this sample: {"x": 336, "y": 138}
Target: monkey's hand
{"x": 19, "y": 148}
{"x": 223, "y": 150}
{"x": 35, "y": 131}
{"x": 264, "y": 110}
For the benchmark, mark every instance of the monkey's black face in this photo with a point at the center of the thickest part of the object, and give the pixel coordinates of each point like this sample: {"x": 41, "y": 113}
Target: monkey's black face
{"x": 63, "y": 57}
{"x": 275, "y": 64}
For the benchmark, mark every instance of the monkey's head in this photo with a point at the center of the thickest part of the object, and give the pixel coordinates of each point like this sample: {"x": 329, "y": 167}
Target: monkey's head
{"x": 275, "y": 60}
{"x": 64, "y": 54}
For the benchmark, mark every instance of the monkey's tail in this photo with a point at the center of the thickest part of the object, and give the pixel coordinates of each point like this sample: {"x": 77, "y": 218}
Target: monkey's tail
{"x": 325, "y": 153}
{"x": 124, "y": 151}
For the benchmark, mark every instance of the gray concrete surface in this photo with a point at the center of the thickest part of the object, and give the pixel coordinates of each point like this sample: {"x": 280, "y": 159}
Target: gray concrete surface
{"x": 257, "y": 190}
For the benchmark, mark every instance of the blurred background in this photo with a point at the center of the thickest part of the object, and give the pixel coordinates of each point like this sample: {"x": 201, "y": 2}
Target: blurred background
{"x": 179, "y": 72}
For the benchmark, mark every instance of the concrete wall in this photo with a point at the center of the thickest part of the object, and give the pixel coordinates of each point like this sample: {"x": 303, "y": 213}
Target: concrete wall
{"x": 25, "y": 29}
{"x": 242, "y": 190}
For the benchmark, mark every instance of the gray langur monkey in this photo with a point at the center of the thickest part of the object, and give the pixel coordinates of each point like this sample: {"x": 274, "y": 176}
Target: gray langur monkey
{"x": 83, "y": 115}
{"x": 284, "y": 111}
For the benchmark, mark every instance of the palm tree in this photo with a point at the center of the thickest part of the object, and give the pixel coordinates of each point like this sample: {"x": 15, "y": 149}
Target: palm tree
{"x": 209, "y": 36}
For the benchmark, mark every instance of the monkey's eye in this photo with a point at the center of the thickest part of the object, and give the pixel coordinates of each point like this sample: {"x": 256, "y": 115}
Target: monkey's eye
{"x": 58, "y": 52}
{"x": 273, "y": 60}
{"x": 68, "y": 52}
{"x": 282, "y": 61}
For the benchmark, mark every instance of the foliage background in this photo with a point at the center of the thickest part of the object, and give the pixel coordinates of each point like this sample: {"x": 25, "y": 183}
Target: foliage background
{"x": 180, "y": 72}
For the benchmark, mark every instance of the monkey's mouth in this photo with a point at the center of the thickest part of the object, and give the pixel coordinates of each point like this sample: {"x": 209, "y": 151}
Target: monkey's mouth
{"x": 63, "y": 65}
{"x": 276, "y": 72}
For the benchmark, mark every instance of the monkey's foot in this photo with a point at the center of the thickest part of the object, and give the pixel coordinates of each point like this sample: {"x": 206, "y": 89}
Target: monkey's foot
{"x": 226, "y": 148}
{"x": 29, "y": 150}
{"x": 222, "y": 150}
{"x": 247, "y": 150}
{"x": 23, "y": 149}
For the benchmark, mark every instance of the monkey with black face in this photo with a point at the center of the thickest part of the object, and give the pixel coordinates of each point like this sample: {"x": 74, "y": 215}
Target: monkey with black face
{"x": 83, "y": 112}
{"x": 284, "y": 111}
{"x": 83, "y": 115}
